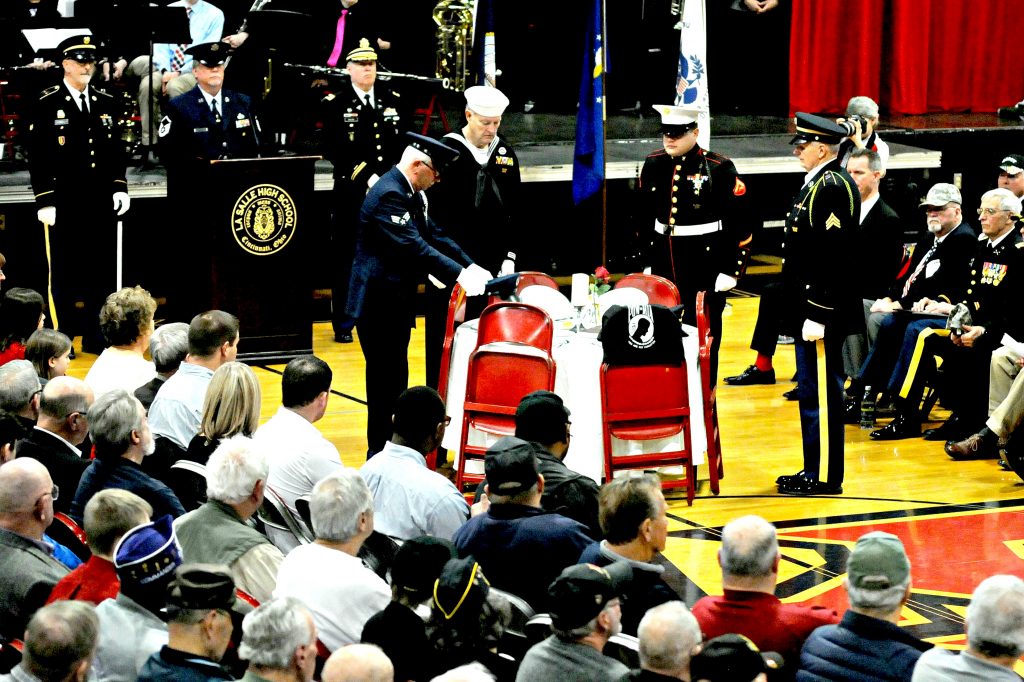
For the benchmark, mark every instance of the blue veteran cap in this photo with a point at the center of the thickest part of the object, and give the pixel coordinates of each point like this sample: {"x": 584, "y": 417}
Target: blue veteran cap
{"x": 440, "y": 154}
{"x": 147, "y": 553}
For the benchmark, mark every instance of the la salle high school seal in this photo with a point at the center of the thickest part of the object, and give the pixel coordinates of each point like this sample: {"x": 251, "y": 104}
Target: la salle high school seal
{"x": 263, "y": 219}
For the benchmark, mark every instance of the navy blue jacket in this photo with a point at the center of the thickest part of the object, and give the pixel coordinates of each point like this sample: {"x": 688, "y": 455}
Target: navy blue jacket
{"x": 124, "y": 474}
{"x": 522, "y": 549}
{"x": 172, "y": 665}
{"x": 397, "y": 245}
{"x": 859, "y": 649}
{"x": 189, "y": 132}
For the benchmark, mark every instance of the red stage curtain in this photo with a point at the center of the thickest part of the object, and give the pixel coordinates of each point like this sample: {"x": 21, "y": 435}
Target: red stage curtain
{"x": 921, "y": 56}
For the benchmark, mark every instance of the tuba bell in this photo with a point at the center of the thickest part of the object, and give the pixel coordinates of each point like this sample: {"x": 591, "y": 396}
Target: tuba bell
{"x": 454, "y": 19}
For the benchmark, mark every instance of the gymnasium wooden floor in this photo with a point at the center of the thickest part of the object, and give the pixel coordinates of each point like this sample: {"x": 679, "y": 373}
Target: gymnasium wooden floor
{"x": 960, "y": 521}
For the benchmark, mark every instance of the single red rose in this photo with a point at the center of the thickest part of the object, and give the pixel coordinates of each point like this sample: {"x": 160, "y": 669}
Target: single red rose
{"x": 601, "y": 274}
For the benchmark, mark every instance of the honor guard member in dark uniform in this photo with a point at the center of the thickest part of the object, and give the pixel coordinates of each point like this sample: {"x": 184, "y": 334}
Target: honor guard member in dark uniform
{"x": 688, "y": 228}
{"x": 77, "y": 164}
{"x": 208, "y": 122}
{"x": 476, "y": 203}
{"x": 362, "y": 128}
{"x": 397, "y": 246}
{"x": 823, "y": 302}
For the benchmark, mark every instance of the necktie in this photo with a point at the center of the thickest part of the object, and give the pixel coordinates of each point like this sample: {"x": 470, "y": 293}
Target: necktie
{"x": 85, "y": 103}
{"x": 920, "y": 267}
{"x": 178, "y": 58}
{"x": 215, "y": 111}
{"x": 366, "y": 99}
{"x": 339, "y": 36}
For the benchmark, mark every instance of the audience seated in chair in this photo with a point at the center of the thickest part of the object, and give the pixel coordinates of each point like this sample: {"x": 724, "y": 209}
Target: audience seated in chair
{"x": 585, "y": 614}
{"x": 399, "y": 629}
{"x": 358, "y": 663}
{"x": 641, "y": 335}
{"x": 30, "y": 571}
{"x": 635, "y": 529}
{"x": 49, "y": 351}
{"x": 21, "y": 313}
{"x": 299, "y": 455}
{"x": 867, "y": 644}
{"x": 62, "y": 427}
{"x": 11, "y": 433}
{"x": 409, "y": 499}
{"x": 750, "y": 559}
{"x": 168, "y": 346}
{"x": 108, "y": 516}
{"x": 995, "y": 637}
{"x": 327, "y": 574}
{"x": 231, "y": 407}
{"x": 217, "y": 532}
{"x": 126, "y": 321}
{"x": 59, "y": 644}
{"x": 19, "y": 392}
{"x": 669, "y": 637}
{"x": 199, "y": 626}
{"x": 121, "y": 440}
{"x": 468, "y": 620}
{"x": 279, "y": 639}
{"x": 131, "y": 625}
{"x": 520, "y": 546}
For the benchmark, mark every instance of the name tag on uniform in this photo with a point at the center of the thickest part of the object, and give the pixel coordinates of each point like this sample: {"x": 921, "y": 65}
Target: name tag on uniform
{"x": 242, "y": 123}
{"x": 60, "y": 122}
{"x": 200, "y": 130}
{"x": 391, "y": 113}
{"x": 352, "y": 117}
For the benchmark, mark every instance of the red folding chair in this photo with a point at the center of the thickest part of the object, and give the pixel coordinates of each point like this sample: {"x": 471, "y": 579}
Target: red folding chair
{"x": 512, "y": 358}
{"x": 456, "y": 313}
{"x": 530, "y": 279}
{"x": 68, "y": 533}
{"x": 658, "y": 289}
{"x": 709, "y": 394}
{"x": 647, "y": 402}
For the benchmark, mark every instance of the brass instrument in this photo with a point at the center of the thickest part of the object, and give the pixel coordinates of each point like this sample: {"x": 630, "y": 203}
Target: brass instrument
{"x": 454, "y": 19}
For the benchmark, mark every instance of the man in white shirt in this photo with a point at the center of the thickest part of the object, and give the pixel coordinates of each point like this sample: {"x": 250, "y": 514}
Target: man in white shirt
{"x": 299, "y": 455}
{"x": 409, "y": 499}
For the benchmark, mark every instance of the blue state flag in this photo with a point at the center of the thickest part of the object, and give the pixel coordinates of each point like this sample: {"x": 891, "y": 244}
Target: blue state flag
{"x": 588, "y": 157}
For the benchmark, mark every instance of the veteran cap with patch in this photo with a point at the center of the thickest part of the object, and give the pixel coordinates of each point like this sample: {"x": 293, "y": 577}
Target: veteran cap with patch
{"x": 1012, "y": 164}
{"x": 461, "y": 587}
{"x": 485, "y": 100}
{"x": 209, "y": 54}
{"x": 582, "y": 591}
{"x": 676, "y": 120}
{"x": 439, "y": 153}
{"x": 147, "y": 553}
{"x": 942, "y": 193}
{"x": 811, "y": 128}
{"x": 79, "y": 48}
{"x": 363, "y": 53}
{"x": 731, "y": 658}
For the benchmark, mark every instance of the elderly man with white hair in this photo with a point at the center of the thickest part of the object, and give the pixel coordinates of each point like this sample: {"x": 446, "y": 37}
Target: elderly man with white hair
{"x": 328, "y": 574}
{"x": 59, "y": 644}
{"x": 669, "y": 637}
{"x": 279, "y": 641}
{"x": 168, "y": 347}
{"x": 358, "y": 663}
{"x": 217, "y": 532}
{"x": 862, "y": 114}
{"x": 19, "y": 391}
{"x": 995, "y": 637}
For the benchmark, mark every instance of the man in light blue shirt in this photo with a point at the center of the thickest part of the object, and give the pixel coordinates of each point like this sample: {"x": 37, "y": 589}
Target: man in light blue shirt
{"x": 410, "y": 500}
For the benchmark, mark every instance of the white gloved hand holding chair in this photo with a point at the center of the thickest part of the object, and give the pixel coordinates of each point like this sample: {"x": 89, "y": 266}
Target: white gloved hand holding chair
{"x": 474, "y": 280}
{"x": 812, "y": 331}
{"x": 47, "y": 215}
{"x": 122, "y": 202}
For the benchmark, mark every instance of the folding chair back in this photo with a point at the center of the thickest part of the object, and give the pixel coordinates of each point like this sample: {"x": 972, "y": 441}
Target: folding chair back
{"x": 709, "y": 393}
{"x": 658, "y": 289}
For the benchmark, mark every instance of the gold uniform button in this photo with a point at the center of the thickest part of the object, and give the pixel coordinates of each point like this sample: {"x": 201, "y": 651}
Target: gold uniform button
{"x": 91, "y": 153}
{"x": 675, "y": 188}
{"x": 674, "y": 209}
{"x": 671, "y": 221}
{"x": 92, "y": 165}
{"x": 90, "y": 141}
{"x": 675, "y": 178}
{"x": 974, "y": 272}
{"x": 707, "y": 248}
{"x": 674, "y": 199}
{"x": 377, "y": 136}
{"x": 678, "y": 168}
{"x": 380, "y": 158}
{"x": 969, "y": 291}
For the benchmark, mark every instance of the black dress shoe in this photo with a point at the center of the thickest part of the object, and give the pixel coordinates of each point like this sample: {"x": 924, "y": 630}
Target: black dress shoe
{"x": 792, "y": 394}
{"x": 953, "y": 429}
{"x": 800, "y": 474}
{"x": 1014, "y": 112}
{"x": 900, "y": 427}
{"x": 809, "y": 486}
{"x": 752, "y": 375}
{"x": 71, "y": 353}
{"x": 1004, "y": 465}
{"x": 343, "y": 337}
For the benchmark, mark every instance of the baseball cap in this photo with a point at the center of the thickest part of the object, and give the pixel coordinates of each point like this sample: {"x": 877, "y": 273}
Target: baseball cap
{"x": 510, "y": 466}
{"x": 460, "y": 587}
{"x": 539, "y": 413}
{"x": 485, "y": 100}
{"x": 878, "y": 562}
{"x": 942, "y": 193}
{"x": 732, "y": 658}
{"x": 1012, "y": 164}
{"x": 419, "y": 562}
{"x": 582, "y": 591}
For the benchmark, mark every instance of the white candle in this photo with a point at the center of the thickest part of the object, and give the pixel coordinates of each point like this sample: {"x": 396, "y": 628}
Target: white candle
{"x": 580, "y": 294}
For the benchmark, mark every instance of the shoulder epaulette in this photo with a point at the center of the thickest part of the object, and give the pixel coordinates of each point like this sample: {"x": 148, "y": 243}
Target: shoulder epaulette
{"x": 714, "y": 156}
{"x": 50, "y": 90}
{"x": 103, "y": 94}
{"x": 395, "y": 94}
{"x": 656, "y": 153}
{"x": 1019, "y": 245}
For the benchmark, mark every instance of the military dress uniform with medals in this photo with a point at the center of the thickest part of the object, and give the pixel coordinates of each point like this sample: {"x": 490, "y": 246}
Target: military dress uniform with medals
{"x": 76, "y": 164}
{"x": 819, "y": 285}
{"x": 363, "y": 138}
{"x": 688, "y": 226}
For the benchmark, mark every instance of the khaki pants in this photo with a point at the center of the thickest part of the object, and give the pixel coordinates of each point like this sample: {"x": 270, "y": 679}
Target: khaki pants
{"x": 1005, "y": 392}
{"x": 149, "y": 106}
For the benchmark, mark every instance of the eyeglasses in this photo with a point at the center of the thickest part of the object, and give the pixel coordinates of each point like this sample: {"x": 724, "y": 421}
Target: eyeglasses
{"x": 54, "y": 492}
{"x": 432, "y": 169}
{"x": 447, "y": 420}
{"x": 991, "y": 211}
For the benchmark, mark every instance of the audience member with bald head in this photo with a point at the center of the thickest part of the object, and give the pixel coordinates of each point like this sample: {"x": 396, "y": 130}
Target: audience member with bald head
{"x": 669, "y": 637}
{"x": 59, "y": 644}
{"x": 19, "y": 391}
{"x": 750, "y": 559}
{"x": 358, "y": 663}
{"x": 29, "y": 569}
{"x": 63, "y": 425}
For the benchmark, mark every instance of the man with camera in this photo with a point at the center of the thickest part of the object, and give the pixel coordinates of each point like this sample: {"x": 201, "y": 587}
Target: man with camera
{"x": 860, "y": 122}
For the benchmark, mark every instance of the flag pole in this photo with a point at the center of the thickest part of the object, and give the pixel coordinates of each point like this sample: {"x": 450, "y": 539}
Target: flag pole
{"x": 604, "y": 136}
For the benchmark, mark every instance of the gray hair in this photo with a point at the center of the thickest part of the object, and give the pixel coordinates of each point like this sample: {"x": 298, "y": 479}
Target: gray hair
{"x": 668, "y": 633}
{"x": 112, "y": 418}
{"x": 336, "y": 504}
{"x": 168, "y": 346}
{"x": 1008, "y": 201}
{"x": 873, "y": 157}
{"x": 995, "y": 617}
{"x": 411, "y": 154}
{"x": 272, "y": 633}
{"x": 59, "y": 637}
{"x": 18, "y": 383}
{"x": 862, "y": 106}
{"x": 358, "y": 663}
{"x": 581, "y": 631}
{"x": 886, "y": 600}
{"x": 234, "y": 468}
{"x": 471, "y": 672}
{"x": 62, "y": 396}
{"x": 749, "y": 547}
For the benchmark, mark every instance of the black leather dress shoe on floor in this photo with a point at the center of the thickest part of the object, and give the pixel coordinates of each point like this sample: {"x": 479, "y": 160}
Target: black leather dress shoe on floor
{"x": 898, "y": 428}
{"x": 792, "y": 394}
{"x": 809, "y": 486}
{"x": 343, "y": 337}
{"x": 953, "y": 429}
{"x": 785, "y": 479}
{"x": 752, "y": 375}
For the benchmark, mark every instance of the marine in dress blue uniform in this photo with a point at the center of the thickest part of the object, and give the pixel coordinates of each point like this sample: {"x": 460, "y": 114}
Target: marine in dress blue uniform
{"x": 397, "y": 246}
{"x": 823, "y": 303}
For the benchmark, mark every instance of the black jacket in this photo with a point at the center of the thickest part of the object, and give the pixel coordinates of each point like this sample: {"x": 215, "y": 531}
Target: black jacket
{"x": 65, "y": 464}
{"x": 879, "y": 250}
{"x": 173, "y": 665}
{"x": 948, "y": 280}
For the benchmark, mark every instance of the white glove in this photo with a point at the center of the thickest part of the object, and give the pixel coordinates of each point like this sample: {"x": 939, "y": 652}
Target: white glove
{"x": 725, "y": 282}
{"x": 508, "y": 266}
{"x": 121, "y": 202}
{"x": 372, "y": 180}
{"x": 47, "y": 215}
{"x": 647, "y": 270}
{"x": 660, "y": 227}
{"x": 474, "y": 280}
{"x": 812, "y": 331}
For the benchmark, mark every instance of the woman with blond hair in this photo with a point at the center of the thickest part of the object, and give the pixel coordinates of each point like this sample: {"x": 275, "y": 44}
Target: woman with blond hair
{"x": 126, "y": 320}
{"x": 231, "y": 407}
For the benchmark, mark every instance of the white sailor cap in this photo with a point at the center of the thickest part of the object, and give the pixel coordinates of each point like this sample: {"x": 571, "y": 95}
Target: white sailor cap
{"x": 485, "y": 100}
{"x": 676, "y": 119}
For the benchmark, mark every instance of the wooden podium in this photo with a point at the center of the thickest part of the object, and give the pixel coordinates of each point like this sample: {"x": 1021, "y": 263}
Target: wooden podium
{"x": 259, "y": 218}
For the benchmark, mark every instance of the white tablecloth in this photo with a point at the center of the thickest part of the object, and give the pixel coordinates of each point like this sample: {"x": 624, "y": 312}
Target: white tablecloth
{"x": 578, "y": 359}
